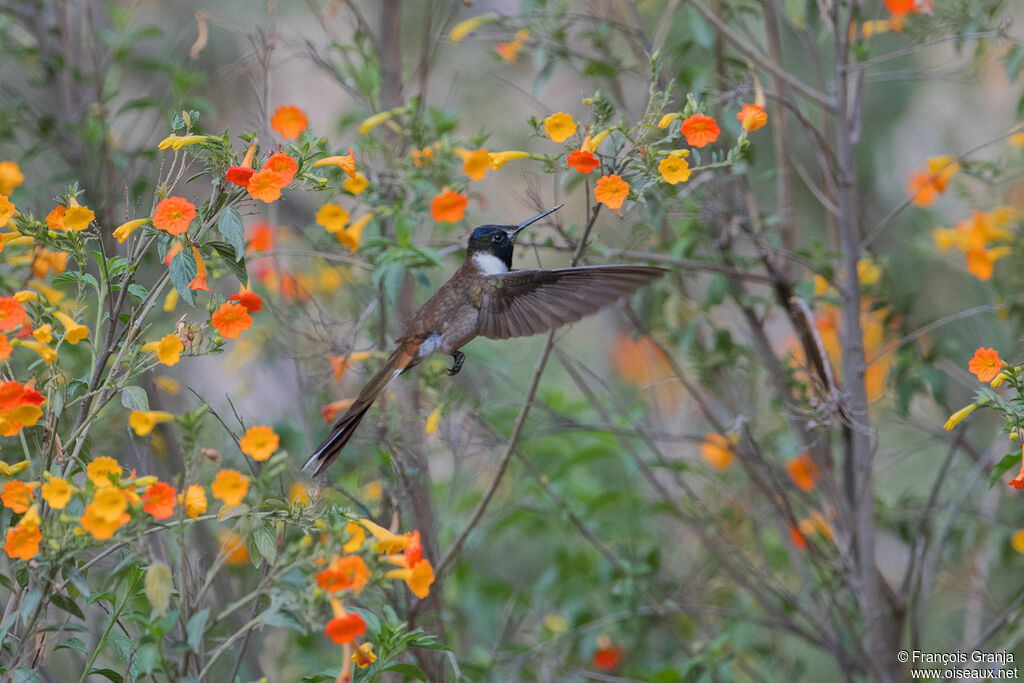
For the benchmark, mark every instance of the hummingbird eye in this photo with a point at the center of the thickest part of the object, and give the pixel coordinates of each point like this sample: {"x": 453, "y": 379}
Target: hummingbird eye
{"x": 499, "y": 237}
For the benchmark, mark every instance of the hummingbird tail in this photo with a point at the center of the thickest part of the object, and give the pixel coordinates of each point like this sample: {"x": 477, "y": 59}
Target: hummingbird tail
{"x": 342, "y": 431}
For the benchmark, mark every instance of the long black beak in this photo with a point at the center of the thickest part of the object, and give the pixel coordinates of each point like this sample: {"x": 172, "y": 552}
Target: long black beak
{"x": 516, "y": 230}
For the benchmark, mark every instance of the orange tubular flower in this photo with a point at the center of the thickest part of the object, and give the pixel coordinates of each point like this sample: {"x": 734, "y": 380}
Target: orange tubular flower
{"x": 249, "y": 299}
{"x": 16, "y": 495}
{"x": 260, "y": 442}
{"x": 159, "y": 500}
{"x": 583, "y": 161}
{"x": 449, "y": 207}
{"x": 611, "y": 190}
{"x": 199, "y": 281}
{"x": 344, "y": 573}
{"x": 802, "y": 471}
{"x": 331, "y": 410}
{"x": 346, "y": 163}
{"x": 10, "y": 177}
{"x": 418, "y": 578}
{"x": 289, "y": 121}
{"x": 283, "y": 165}
{"x": 559, "y": 127}
{"x": 344, "y": 628}
{"x": 261, "y": 238}
{"x": 100, "y": 469}
{"x": 12, "y": 314}
{"x": 173, "y": 215}
{"x": 265, "y": 186}
{"x": 232, "y": 546}
{"x": 231, "y": 320}
{"x": 474, "y": 162}
{"x": 752, "y": 117}
{"x": 105, "y": 514}
{"x": 986, "y": 364}
{"x": 699, "y": 130}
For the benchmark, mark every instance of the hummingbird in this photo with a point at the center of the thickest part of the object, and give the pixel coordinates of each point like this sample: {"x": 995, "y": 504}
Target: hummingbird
{"x": 487, "y": 298}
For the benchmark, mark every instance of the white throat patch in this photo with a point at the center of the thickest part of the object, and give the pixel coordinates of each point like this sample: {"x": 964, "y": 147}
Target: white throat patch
{"x": 488, "y": 264}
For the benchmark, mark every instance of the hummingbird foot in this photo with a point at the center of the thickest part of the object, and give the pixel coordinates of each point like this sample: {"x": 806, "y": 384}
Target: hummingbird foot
{"x": 460, "y": 358}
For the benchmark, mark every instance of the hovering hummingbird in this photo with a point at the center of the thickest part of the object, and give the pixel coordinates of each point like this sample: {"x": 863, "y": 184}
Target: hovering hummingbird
{"x": 485, "y": 297}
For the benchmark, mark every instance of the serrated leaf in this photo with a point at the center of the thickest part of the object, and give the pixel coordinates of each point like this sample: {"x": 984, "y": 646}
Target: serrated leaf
{"x": 158, "y": 587}
{"x": 135, "y": 398}
{"x": 230, "y": 225}
{"x": 76, "y": 644}
{"x": 196, "y": 627}
{"x": 266, "y": 541}
{"x": 182, "y": 272}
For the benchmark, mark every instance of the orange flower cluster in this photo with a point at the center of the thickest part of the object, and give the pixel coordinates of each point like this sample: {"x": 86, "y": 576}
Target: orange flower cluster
{"x": 278, "y": 172}
{"x": 975, "y": 236}
{"x": 19, "y": 407}
{"x": 875, "y": 345}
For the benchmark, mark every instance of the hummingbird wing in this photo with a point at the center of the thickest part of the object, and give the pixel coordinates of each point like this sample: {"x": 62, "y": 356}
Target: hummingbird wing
{"x": 524, "y": 302}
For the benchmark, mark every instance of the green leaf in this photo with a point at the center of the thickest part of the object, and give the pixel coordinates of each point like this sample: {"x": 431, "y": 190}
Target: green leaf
{"x": 109, "y": 674}
{"x": 230, "y": 225}
{"x": 1002, "y": 467}
{"x": 29, "y": 604}
{"x": 134, "y": 398}
{"x": 138, "y": 291}
{"x": 237, "y": 267}
{"x": 407, "y": 670}
{"x": 148, "y": 656}
{"x": 266, "y": 541}
{"x": 196, "y": 627}
{"x": 183, "y": 271}
{"x": 23, "y": 674}
{"x": 74, "y": 644}
{"x": 68, "y": 605}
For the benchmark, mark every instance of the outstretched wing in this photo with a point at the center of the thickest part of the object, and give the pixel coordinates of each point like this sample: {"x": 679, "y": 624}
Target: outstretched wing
{"x": 524, "y": 302}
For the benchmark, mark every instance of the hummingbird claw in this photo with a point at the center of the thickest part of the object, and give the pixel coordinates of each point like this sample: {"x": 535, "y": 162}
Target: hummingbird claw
{"x": 459, "y": 357}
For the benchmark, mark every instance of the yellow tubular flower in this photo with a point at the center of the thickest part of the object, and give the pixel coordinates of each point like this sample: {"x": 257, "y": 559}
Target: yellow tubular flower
{"x": 19, "y": 467}
{"x": 125, "y": 229}
{"x": 171, "y": 300}
{"x": 24, "y": 296}
{"x": 464, "y": 28}
{"x": 73, "y": 332}
{"x": 45, "y": 352}
{"x": 372, "y": 122}
{"x": 999, "y": 379}
{"x": 957, "y": 417}
{"x": 667, "y": 120}
{"x": 499, "y": 159}
{"x": 143, "y": 422}
{"x": 54, "y": 296}
{"x": 176, "y": 142}
{"x": 432, "y": 420}
{"x": 16, "y": 238}
{"x": 356, "y": 184}
{"x": 590, "y": 143}
{"x": 43, "y": 334}
{"x": 168, "y": 349}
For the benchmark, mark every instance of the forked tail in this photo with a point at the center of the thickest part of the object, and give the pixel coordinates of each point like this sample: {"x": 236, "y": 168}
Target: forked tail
{"x": 346, "y": 425}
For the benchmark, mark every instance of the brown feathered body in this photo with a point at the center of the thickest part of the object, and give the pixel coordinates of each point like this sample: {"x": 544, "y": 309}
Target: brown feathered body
{"x": 486, "y": 299}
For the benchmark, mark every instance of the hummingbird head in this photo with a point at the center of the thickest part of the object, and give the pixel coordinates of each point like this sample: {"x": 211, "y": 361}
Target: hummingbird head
{"x": 497, "y": 241}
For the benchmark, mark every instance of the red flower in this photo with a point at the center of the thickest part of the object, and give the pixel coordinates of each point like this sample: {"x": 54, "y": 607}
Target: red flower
{"x": 159, "y": 500}
{"x": 249, "y": 299}
{"x": 11, "y": 313}
{"x": 608, "y": 655}
{"x": 582, "y": 160}
{"x": 700, "y": 130}
{"x": 345, "y": 629}
{"x": 239, "y": 175}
